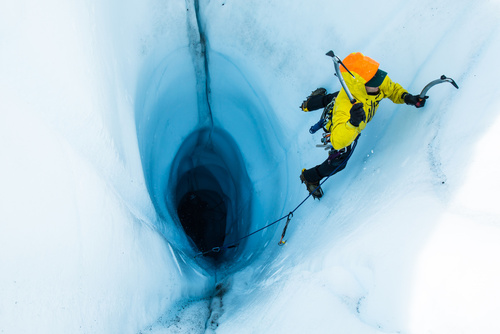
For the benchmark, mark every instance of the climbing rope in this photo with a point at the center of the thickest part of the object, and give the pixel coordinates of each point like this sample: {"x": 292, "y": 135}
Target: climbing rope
{"x": 288, "y": 217}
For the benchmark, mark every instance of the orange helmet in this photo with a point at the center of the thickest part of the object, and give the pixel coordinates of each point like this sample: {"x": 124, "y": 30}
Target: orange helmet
{"x": 360, "y": 64}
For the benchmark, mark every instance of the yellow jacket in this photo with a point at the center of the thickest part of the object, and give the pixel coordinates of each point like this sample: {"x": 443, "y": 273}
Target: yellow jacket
{"x": 342, "y": 132}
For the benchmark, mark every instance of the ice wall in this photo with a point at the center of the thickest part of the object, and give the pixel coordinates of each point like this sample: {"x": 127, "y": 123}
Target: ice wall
{"x": 103, "y": 111}
{"x": 80, "y": 243}
{"x": 101, "y": 107}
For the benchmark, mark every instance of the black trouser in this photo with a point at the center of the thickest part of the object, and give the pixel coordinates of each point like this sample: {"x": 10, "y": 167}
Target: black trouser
{"x": 334, "y": 164}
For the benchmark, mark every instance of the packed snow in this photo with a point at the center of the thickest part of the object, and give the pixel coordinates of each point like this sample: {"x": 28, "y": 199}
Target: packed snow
{"x": 102, "y": 104}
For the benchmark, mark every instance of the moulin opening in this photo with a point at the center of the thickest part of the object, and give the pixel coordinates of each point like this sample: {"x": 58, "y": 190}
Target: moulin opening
{"x": 230, "y": 152}
{"x": 203, "y": 216}
{"x": 210, "y": 189}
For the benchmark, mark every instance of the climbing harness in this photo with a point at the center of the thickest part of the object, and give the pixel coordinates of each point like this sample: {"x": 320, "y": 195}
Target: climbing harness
{"x": 288, "y": 216}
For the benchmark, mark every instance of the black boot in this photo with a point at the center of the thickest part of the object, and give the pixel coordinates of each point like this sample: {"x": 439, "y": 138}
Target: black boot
{"x": 313, "y": 188}
{"x": 314, "y": 101}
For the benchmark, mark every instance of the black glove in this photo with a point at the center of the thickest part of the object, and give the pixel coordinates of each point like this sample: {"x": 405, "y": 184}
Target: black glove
{"x": 414, "y": 100}
{"x": 357, "y": 114}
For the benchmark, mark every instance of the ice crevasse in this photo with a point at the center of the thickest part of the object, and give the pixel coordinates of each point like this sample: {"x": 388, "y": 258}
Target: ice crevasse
{"x": 119, "y": 118}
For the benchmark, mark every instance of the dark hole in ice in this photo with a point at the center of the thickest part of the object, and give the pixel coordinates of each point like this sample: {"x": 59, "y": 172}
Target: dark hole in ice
{"x": 211, "y": 190}
{"x": 203, "y": 216}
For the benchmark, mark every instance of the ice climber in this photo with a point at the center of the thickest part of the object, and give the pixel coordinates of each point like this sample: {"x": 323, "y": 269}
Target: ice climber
{"x": 344, "y": 121}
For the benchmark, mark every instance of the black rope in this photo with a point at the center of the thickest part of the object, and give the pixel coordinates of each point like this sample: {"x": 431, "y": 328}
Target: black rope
{"x": 288, "y": 216}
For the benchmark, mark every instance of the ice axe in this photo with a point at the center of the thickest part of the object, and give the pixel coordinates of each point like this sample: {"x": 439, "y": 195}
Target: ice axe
{"x": 337, "y": 62}
{"x": 433, "y": 83}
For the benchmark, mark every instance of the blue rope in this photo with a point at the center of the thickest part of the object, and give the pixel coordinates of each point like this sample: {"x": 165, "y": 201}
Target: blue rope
{"x": 237, "y": 242}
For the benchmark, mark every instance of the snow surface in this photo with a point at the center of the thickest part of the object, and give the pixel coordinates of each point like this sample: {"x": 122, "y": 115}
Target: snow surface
{"x": 97, "y": 98}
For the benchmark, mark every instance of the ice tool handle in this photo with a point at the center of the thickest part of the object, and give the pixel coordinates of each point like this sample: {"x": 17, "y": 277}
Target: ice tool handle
{"x": 337, "y": 62}
{"x": 436, "y": 82}
{"x": 317, "y": 126}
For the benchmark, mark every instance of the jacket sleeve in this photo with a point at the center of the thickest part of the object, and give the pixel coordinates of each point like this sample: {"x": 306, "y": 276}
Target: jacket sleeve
{"x": 393, "y": 90}
{"x": 342, "y": 132}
